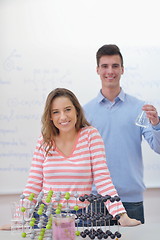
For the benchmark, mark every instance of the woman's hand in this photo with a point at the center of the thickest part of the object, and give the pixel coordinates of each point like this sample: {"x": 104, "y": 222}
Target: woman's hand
{"x": 6, "y": 227}
{"x": 126, "y": 221}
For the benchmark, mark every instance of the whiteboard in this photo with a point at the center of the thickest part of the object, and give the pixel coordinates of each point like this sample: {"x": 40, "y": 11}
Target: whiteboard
{"x": 43, "y": 48}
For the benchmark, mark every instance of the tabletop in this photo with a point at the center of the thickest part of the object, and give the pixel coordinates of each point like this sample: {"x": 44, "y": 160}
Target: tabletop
{"x": 141, "y": 232}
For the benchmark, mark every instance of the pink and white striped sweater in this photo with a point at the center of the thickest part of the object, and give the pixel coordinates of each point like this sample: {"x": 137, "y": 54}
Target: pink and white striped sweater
{"x": 75, "y": 173}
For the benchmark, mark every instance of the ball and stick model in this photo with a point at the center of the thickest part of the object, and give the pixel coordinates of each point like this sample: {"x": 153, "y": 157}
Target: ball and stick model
{"x": 45, "y": 216}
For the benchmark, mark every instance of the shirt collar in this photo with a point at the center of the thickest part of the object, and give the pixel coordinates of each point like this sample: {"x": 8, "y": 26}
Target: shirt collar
{"x": 121, "y": 96}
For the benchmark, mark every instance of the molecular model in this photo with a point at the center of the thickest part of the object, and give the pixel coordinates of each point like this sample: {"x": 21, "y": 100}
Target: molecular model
{"x": 39, "y": 218}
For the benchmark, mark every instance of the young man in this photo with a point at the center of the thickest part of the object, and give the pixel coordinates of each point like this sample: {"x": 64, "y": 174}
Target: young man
{"x": 113, "y": 113}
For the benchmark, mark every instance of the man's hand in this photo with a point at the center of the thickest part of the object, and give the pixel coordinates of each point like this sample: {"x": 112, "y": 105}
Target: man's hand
{"x": 151, "y": 113}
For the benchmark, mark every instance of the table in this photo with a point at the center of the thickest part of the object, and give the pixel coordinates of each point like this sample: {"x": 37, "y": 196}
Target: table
{"x": 141, "y": 232}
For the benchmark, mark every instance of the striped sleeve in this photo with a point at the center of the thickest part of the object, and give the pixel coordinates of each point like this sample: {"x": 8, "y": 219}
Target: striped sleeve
{"x": 101, "y": 174}
{"x": 35, "y": 178}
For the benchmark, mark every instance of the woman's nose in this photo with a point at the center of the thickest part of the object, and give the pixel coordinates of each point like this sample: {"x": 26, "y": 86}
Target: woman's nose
{"x": 62, "y": 115}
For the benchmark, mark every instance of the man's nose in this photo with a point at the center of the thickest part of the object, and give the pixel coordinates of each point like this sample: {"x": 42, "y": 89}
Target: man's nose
{"x": 110, "y": 69}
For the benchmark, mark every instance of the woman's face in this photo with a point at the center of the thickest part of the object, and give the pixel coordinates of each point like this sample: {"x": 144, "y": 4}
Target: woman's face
{"x": 63, "y": 114}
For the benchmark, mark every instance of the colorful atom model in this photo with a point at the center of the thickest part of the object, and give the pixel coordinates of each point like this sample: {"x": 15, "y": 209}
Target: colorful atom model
{"x": 47, "y": 218}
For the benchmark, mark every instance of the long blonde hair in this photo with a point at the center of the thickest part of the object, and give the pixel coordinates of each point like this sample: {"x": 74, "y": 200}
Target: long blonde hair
{"x": 49, "y": 130}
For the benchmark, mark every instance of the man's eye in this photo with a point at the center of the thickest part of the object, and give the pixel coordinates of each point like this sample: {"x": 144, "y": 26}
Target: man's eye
{"x": 115, "y": 66}
{"x": 104, "y": 66}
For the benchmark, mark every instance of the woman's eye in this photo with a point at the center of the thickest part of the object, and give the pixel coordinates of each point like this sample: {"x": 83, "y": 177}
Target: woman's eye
{"x": 68, "y": 109}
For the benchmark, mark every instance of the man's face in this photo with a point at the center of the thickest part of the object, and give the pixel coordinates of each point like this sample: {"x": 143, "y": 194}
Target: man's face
{"x": 110, "y": 71}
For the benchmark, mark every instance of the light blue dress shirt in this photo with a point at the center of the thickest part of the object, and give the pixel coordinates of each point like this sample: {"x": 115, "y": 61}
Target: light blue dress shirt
{"x": 116, "y": 124}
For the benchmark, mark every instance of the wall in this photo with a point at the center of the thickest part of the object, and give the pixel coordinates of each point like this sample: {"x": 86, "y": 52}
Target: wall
{"x": 48, "y": 44}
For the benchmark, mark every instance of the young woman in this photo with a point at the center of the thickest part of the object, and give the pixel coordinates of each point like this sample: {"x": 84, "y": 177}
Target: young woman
{"x": 70, "y": 156}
